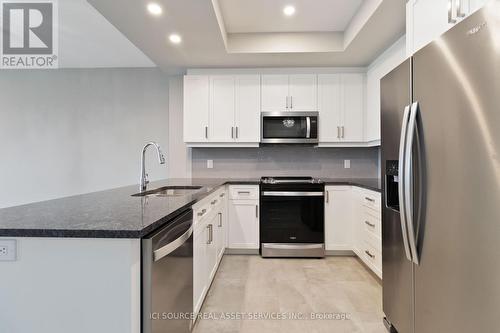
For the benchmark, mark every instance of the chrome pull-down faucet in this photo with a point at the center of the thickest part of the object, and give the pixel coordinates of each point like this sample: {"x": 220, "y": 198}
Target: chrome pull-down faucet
{"x": 144, "y": 176}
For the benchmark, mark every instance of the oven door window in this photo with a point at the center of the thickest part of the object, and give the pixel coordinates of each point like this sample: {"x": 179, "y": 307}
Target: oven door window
{"x": 292, "y": 219}
{"x": 284, "y": 127}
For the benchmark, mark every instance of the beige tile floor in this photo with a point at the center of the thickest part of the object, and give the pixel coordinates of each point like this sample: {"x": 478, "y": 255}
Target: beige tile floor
{"x": 251, "y": 284}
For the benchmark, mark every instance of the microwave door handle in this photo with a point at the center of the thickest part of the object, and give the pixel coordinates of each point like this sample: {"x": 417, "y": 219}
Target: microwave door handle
{"x": 308, "y": 127}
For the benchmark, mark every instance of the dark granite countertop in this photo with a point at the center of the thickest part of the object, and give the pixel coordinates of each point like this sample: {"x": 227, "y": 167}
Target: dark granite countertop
{"x": 115, "y": 213}
{"x": 367, "y": 183}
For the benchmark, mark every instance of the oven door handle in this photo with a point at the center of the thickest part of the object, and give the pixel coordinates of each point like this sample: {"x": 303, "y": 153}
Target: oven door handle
{"x": 292, "y": 194}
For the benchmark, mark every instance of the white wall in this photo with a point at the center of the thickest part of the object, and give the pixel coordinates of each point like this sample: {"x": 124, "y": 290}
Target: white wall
{"x": 386, "y": 62}
{"x": 66, "y": 132}
{"x": 179, "y": 159}
{"x": 62, "y": 285}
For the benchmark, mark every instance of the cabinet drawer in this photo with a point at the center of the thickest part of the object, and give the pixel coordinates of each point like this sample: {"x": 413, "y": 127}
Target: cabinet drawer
{"x": 215, "y": 201}
{"x": 200, "y": 212}
{"x": 248, "y": 192}
{"x": 372, "y": 257}
{"x": 371, "y": 200}
{"x": 374, "y": 241}
{"x": 371, "y": 223}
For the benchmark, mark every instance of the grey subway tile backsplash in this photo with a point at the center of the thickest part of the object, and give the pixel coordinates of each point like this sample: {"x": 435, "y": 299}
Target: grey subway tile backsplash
{"x": 285, "y": 161}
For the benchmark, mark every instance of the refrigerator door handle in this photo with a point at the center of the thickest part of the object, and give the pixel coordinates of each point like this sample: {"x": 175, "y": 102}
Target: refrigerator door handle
{"x": 401, "y": 184}
{"x": 408, "y": 180}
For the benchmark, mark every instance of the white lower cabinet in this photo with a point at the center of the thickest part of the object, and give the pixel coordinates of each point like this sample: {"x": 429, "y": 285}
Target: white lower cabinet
{"x": 338, "y": 218}
{"x": 368, "y": 228}
{"x": 222, "y": 225}
{"x": 200, "y": 284}
{"x": 226, "y": 218}
{"x": 353, "y": 222}
{"x": 243, "y": 232}
{"x": 212, "y": 255}
{"x": 209, "y": 243}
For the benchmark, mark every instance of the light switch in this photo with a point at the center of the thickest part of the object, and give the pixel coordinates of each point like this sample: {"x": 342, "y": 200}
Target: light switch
{"x": 210, "y": 164}
{"x": 347, "y": 164}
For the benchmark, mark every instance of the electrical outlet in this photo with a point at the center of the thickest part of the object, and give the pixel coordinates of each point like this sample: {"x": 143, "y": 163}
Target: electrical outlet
{"x": 347, "y": 164}
{"x": 210, "y": 164}
{"x": 8, "y": 249}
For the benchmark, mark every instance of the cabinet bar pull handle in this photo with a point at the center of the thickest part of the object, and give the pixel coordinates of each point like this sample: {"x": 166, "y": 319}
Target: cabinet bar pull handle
{"x": 203, "y": 211}
{"x": 451, "y": 19}
{"x": 286, "y": 99}
{"x": 291, "y": 102}
{"x": 214, "y": 202}
{"x": 236, "y": 132}
{"x": 338, "y": 132}
{"x": 206, "y": 132}
{"x": 327, "y": 196}
{"x": 370, "y": 224}
{"x": 243, "y": 192}
{"x": 257, "y": 211}
{"x": 232, "y": 132}
{"x": 343, "y": 132}
{"x": 211, "y": 234}
{"x": 369, "y": 254}
{"x": 208, "y": 233}
{"x": 460, "y": 11}
{"x": 220, "y": 220}
{"x": 369, "y": 199}
{"x": 222, "y": 195}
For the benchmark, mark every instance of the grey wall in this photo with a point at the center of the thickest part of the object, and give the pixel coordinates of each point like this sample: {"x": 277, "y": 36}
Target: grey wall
{"x": 179, "y": 159}
{"x": 66, "y": 132}
{"x": 285, "y": 160}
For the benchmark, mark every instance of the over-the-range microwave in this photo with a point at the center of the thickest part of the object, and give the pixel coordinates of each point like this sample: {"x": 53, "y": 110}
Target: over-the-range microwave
{"x": 289, "y": 127}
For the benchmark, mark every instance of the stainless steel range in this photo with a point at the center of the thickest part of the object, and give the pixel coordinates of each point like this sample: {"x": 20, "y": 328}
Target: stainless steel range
{"x": 292, "y": 217}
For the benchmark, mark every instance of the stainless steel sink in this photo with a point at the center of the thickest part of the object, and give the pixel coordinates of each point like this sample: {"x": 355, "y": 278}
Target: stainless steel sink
{"x": 170, "y": 191}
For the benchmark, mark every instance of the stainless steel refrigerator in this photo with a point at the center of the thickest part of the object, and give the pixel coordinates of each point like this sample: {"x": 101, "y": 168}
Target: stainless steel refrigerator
{"x": 441, "y": 182}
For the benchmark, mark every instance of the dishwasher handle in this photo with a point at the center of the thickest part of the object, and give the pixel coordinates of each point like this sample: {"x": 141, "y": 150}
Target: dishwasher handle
{"x": 172, "y": 246}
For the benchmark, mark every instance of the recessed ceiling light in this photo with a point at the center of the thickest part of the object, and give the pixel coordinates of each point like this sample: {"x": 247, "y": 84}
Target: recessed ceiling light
{"x": 289, "y": 10}
{"x": 154, "y": 9}
{"x": 175, "y": 38}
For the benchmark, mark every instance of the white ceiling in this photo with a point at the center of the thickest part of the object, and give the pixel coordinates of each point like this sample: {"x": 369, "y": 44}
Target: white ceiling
{"x": 88, "y": 40}
{"x": 375, "y": 26}
{"x": 244, "y": 16}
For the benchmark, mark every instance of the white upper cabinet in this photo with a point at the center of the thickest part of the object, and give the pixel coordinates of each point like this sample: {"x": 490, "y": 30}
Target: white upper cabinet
{"x": 222, "y": 108}
{"x": 303, "y": 93}
{"x": 329, "y": 106}
{"x": 353, "y": 107}
{"x": 296, "y": 92}
{"x": 225, "y": 110}
{"x": 476, "y": 4}
{"x": 274, "y": 93}
{"x": 196, "y": 108}
{"x": 341, "y": 108}
{"x": 247, "y": 115}
{"x": 426, "y": 20}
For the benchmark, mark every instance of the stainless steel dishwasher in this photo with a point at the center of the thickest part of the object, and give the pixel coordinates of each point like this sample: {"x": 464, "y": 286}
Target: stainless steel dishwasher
{"x": 167, "y": 277}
